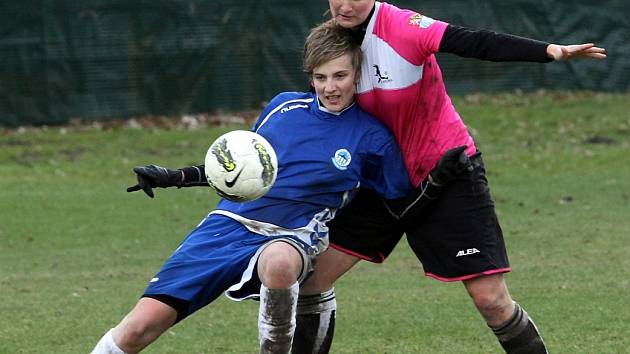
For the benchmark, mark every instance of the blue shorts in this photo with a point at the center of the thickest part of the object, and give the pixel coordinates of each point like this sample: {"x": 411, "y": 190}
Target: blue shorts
{"x": 219, "y": 254}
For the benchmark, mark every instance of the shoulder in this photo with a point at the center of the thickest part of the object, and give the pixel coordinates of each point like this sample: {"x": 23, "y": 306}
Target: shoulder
{"x": 288, "y": 97}
{"x": 284, "y": 100}
{"x": 372, "y": 127}
{"x": 387, "y": 10}
{"x": 402, "y": 32}
{"x": 394, "y": 16}
{"x": 404, "y": 21}
{"x": 367, "y": 119}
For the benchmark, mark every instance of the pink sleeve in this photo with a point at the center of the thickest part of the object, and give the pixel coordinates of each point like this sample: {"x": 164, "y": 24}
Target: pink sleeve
{"x": 414, "y": 36}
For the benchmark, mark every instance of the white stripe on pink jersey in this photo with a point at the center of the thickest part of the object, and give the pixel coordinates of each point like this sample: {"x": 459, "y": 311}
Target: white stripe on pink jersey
{"x": 401, "y": 84}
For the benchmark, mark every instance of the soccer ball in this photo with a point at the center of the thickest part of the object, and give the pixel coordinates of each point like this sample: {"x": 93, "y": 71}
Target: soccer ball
{"x": 241, "y": 166}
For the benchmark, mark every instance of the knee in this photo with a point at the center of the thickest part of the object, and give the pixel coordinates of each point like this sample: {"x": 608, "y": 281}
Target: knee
{"x": 133, "y": 335}
{"x": 144, "y": 324}
{"x": 279, "y": 274}
{"x": 495, "y": 308}
{"x": 491, "y": 302}
{"x": 279, "y": 267}
{"x": 491, "y": 298}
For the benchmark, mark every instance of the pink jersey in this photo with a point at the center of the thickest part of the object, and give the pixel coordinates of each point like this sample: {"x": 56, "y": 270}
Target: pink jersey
{"x": 401, "y": 84}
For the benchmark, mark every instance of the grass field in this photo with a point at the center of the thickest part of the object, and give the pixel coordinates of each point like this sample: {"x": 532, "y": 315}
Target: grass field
{"x": 76, "y": 250}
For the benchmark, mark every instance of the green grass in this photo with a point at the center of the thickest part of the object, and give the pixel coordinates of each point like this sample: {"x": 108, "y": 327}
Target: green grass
{"x": 76, "y": 250}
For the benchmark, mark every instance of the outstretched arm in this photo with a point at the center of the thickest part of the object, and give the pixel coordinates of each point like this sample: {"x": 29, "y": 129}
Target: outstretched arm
{"x": 494, "y": 46}
{"x": 152, "y": 176}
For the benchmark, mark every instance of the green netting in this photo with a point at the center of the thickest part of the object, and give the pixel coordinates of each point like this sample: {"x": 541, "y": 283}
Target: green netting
{"x": 61, "y": 60}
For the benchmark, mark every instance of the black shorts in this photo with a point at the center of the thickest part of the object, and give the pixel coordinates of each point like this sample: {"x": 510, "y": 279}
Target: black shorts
{"x": 458, "y": 237}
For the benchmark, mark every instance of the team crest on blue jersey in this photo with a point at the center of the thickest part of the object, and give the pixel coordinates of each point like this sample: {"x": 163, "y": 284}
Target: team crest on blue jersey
{"x": 342, "y": 159}
{"x": 420, "y": 21}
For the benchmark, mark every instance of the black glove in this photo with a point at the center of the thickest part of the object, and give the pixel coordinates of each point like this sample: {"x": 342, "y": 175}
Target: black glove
{"x": 153, "y": 176}
{"x": 453, "y": 163}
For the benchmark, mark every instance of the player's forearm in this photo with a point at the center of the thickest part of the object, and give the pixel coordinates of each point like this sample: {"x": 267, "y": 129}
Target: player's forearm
{"x": 492, "y": 46}
{"x": 194, "y": 176}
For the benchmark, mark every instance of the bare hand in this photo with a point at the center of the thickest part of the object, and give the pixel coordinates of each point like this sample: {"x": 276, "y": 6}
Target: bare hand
{"x": 575, "y": 51}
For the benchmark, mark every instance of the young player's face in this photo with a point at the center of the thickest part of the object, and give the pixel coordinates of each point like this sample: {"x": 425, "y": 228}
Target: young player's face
{"x": 334, "y": 83}
{"x": 350, "y": 13}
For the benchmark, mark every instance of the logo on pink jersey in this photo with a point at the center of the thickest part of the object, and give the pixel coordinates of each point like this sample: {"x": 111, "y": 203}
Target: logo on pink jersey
{"x": 420, "y": 21}
{"x": 382, "y": 77}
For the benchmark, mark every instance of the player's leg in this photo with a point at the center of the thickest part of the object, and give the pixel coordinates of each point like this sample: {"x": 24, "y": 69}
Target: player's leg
{"x": 364, "y": 229}
{"x": 209, "y": 261}
{"x": 330, "y": 266}
{"x": 460, "y": 239}
{"x": 513, "y": 327}
{"x": 143, "y": 325}
{"x": 279, "y": 267}
{"x": 317, "y": 305}
{"x": 107, "y": 345}
{"x": 490, "y": 295}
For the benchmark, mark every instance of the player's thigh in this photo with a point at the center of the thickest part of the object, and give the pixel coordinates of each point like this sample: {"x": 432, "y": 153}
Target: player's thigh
{"x": 329, "y": 266}
{"x": 213, "y": 257}
{"x": 365, "y": 228}
{"x": 460, "y": 238}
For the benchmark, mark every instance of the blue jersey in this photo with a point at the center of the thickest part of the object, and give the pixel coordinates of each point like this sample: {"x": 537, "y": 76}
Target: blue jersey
{"x": 323, "y": 157}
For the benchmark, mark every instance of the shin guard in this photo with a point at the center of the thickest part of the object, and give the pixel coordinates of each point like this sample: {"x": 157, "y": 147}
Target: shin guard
{"x": 519, "y": 334}
{"x": 276, "y": 319}
{"x": 315, "y": 323}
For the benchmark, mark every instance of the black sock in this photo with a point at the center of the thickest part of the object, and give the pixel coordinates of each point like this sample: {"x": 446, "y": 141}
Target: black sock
{"x": 315, "y": 325}
{"x": 519, "y": 334}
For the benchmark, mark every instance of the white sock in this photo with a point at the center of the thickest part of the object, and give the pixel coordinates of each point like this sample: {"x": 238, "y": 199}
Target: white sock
{"x": 276, "y": 319}
{"x": 107, "y": 345}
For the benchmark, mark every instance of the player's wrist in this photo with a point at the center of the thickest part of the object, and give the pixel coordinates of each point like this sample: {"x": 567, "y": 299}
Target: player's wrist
{"x": 192, "y": 176}
{"x": 179, "y": 180}
{"x": 433, "y": 181}
{"x": 554, "y": 52}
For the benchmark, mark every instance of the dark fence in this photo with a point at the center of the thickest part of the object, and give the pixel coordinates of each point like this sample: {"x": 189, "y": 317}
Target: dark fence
{"x": 114, "y": 59}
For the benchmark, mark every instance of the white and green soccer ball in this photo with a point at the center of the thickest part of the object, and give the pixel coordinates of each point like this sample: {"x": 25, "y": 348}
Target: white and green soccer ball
{"x": 241, "y": 166}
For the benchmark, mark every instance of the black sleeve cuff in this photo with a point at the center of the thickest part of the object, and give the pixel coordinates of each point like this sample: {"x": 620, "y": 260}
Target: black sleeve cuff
{"x": 194, "y": 176}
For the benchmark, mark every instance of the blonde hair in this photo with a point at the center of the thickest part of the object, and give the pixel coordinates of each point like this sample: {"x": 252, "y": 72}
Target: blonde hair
{"x": 330, "y": 41}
